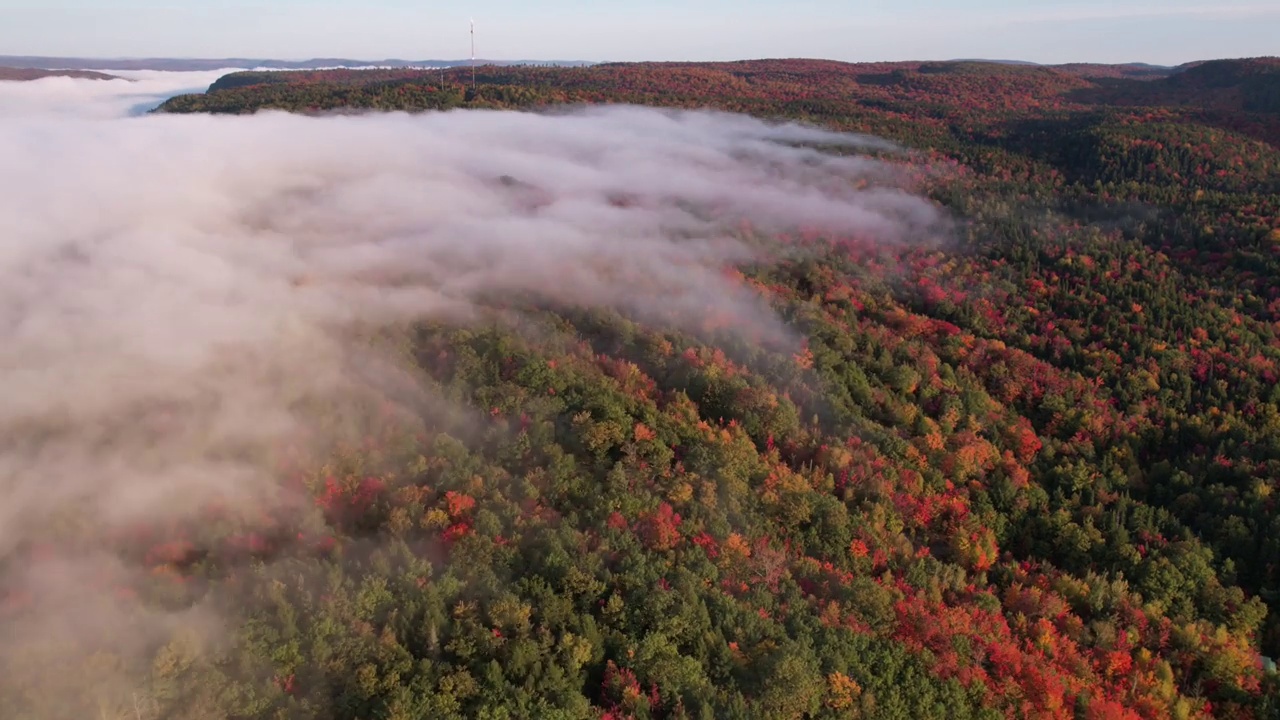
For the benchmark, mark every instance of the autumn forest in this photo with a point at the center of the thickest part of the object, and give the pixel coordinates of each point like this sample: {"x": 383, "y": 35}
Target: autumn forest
{"x": 1027, "y": 470}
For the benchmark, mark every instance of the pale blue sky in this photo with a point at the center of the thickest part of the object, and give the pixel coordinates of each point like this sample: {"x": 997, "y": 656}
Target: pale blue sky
{"x": 1162, "y": 32}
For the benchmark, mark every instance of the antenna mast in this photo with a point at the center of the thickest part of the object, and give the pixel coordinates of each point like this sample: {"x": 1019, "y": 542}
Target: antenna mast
{"x": 473, "y": 53}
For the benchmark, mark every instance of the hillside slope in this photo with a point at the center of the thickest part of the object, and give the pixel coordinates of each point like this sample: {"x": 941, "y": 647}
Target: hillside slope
{"x": 1251, "y": 85}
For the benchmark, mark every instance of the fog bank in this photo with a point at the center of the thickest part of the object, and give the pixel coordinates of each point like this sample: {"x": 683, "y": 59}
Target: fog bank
{"x": 174, "y": 289}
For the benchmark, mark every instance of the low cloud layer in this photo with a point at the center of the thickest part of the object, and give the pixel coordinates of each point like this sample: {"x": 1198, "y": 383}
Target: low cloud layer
{"x": 172, "y": 287}
{"x": 134, "y": 92}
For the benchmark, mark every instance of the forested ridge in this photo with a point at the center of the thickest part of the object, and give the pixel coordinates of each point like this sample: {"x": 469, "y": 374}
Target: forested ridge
{"x": 28, "y": 74}
{"x": 1028, "y": 473}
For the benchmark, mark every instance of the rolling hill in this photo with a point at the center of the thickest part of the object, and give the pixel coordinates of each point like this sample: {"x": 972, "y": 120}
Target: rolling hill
{"x": 1233, "y": 95}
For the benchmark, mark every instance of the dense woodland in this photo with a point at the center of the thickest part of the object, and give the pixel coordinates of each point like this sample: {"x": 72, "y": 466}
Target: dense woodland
{"x": 1029, "y": 474}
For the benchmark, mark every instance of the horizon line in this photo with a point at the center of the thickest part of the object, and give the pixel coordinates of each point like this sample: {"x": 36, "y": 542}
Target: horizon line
{"x": 322, "y": 58}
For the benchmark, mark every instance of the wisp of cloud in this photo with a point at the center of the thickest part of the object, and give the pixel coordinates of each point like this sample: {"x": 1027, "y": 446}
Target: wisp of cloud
{"x": 173, "y": 288}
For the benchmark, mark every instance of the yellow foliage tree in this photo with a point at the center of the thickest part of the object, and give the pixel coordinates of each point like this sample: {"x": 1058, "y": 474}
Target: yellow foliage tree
{"x": 842, "y": 691}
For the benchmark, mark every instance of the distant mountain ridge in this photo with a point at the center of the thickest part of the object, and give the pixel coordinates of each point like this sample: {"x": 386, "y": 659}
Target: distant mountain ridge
{"x": 1131, "y": 69}
{"x": 196, "y": 64}
{"x": 19, "y": 73}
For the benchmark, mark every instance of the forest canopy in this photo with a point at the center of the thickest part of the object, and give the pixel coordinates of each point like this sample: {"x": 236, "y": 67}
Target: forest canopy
{"x": 916, "y": 390}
